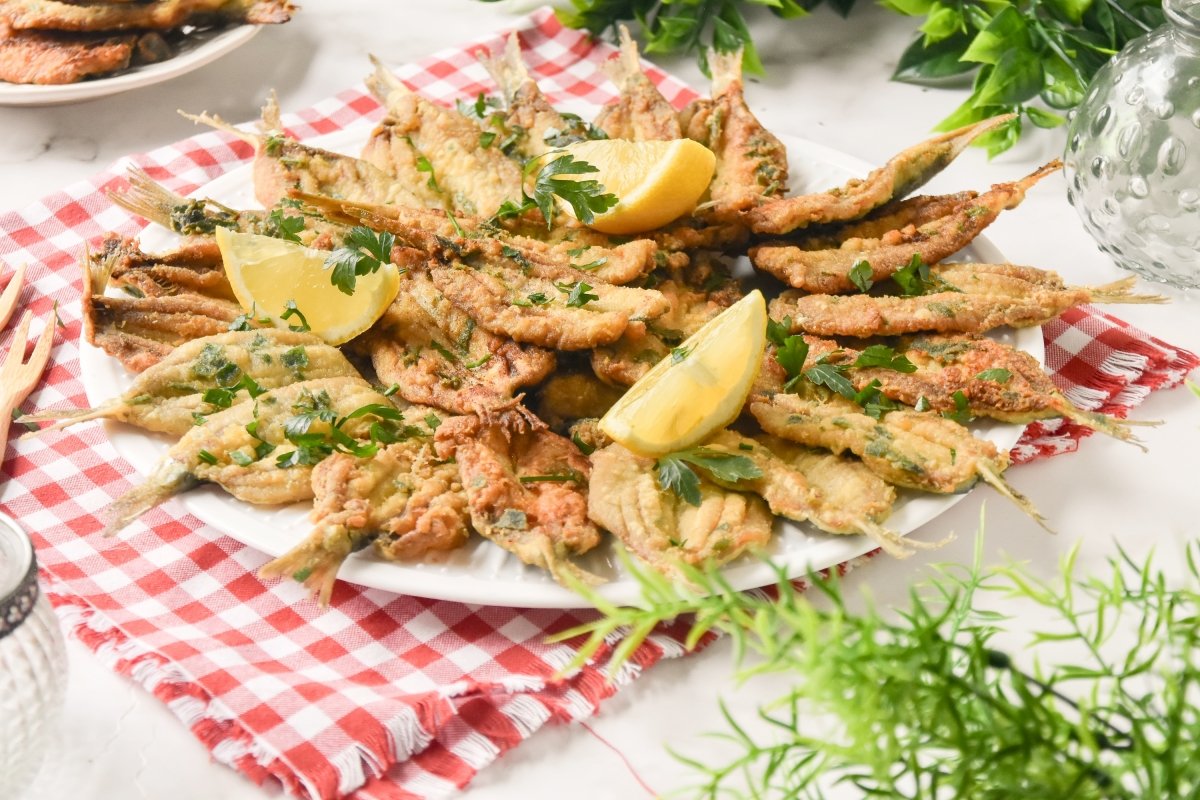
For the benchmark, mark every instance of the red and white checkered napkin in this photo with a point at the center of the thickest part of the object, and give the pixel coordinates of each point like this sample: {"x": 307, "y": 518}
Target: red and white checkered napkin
{"x": 380, "y": 696}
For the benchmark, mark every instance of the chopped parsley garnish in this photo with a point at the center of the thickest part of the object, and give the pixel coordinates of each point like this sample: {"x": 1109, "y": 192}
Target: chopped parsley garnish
{"x": 922, "y": 403}
{"x": 29, "y": 426}
{"x": 585, "y": 197}
{"x": 486, "y": 138}
{"x": 423, "y": 165}
{"x": 583, "y": 446}
{"x": 362, "y": 252}
{"x": 962, "y": 409}
{"x": 535, "y": 299}
{"x": 295, "y": 361}
{"x": 433, "y": 421}
{"x": 479, "y": 362}
{"x": 591, "y": 265}
{"x": 913, "y": 278}
{"x": 831, "y": 376}
{"x": 883, "y": 357}
{"x": 791, "y": 355}
{"x": 679, "y": 354}
{"x": 675, "y": 474}
{"x": 512, "y": 519}
{"x": 207, "y": 457}
{"x": 578, "y": 293}
{"x": 241, "y": 459}
{"x": 283, "y": 227}
{"x": 391, "y": 390}
{"x": 242, "y": 322}
{"x": 874, "y": 402}
{"x": 862, "y": 276}
{"x": 290, "y": 310}
{"x": 273, "y": 145}
{"x": 133, "y": 291}
{"x": 997, "y": 374}
{"x": 569, "y": 476}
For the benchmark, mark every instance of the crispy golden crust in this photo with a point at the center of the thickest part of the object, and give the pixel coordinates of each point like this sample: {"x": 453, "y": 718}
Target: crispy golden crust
{"x": 526, "y": 492}
{"x": 905, "y": 173}
{"x": 47, "y": 58}
{"x": 828, "y": 270}
{"x": 194, "y": 267}
{"x": 159, "y": 15}
{"x": 641, "y": 113}
{"x": 751, "y": 162}
{"x": 663, "y": 530}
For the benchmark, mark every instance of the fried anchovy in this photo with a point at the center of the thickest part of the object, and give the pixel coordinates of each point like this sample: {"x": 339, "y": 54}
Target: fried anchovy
{"x": 161, "y": 15}
{"x": 404, "y": 500}
{"x": 535, "y": 126}
{"x": 641, "y": 113}
{"x": 660, "y": 527}
{"x": 566, "y": 397}
{"x": 564, "y": 316}
{"x": 915, "y": 211}
{"x": 916, "y": 450}
{"x": 142, "y": 331}
{"x": 790, "y": 494}
{"x": 202, "y": 376}
{"x": 904, "y": 173}
{"x": 193, "y": 268}
{"x": 474, "y": 179}
{"x": 240, "y": 448}
{"x": 281, "y": 164}
{"x": 993, "y": 379}
{"x": 751, "y": 162}
{"x": 436, "y": 355}
{"x": 975, "y": 298}
{"x": 439, "y": 234}
{"x": 526, "y": 492}
{"x": 827, "y": 271}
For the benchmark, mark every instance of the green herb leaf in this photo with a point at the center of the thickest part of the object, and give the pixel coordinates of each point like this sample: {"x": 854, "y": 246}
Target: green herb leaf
{"x": 207, "y": 457}
{"x": 883, "y": 357}
{"x": 831, "y": 376}
{"x": 913, "y": 278}
{"x": 676, "y": 476}
{"x": 585, "y": 197}
{"x": 578, "y": 293}
{"x": 363, "y": 252}
{"x": 289, "y": 311}
{"x": 962, "y": 409}
{"x": 997, "y": 374}
{"x": 862, "y": 276}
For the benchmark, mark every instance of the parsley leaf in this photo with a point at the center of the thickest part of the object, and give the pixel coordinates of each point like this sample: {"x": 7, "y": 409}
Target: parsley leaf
{"x": 874, "y": 402}
{"x": 777, "y": 332}
{"x": 961, "y": 413}
{"x": 535, "y": 299}
{"x": 997, "y": 374}
{"x": 289, "y": 311}
{"x": 791, "y": 355}
{"x": 913, "y": 278}
{"x": 578, "y": 293}
{"x": 862, "y": 276}
{"x": 363, "y": 251}
{"x": 207, "y": 457}
{"x": 583, "y": 446}
{"x": 831, "y": 376}
{"x": 585, "y": 197}
{"x": 675, "y": 475}
{"x": 283, "y": 227}
{"x": 884, "y": 357}
{"x": 679, "y": 354}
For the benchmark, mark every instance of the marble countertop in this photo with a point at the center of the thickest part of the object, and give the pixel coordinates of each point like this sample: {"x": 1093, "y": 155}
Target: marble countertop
{"x": 828, "y": 81}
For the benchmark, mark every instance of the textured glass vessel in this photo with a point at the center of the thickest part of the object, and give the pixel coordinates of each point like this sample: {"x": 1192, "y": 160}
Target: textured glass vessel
{"x": 1133, "y": 152}
{"x": 33, "y": 664}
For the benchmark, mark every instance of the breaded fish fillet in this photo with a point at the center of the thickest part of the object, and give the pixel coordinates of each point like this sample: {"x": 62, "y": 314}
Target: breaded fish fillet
{"x": 641, "y": 113}
{"x": 158, "y": 15}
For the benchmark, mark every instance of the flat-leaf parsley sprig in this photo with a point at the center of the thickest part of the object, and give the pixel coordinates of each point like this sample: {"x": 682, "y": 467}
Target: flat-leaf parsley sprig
{"x": 675, "y": 474}
{"x": 363, "y": 252}
{"x": 586, "y": 197}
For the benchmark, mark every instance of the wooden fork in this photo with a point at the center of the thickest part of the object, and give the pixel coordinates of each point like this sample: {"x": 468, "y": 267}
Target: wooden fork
{"x": 8, "y": 300}
{"x": 17, "y": 376}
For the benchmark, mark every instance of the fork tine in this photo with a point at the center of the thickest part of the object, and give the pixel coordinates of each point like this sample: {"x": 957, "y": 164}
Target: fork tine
{"x": 8, "y": 300}
{"x": 38, "y": 358}
{"x": 16, "y": 350}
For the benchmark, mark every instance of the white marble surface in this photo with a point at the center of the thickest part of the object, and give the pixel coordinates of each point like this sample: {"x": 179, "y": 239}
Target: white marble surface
{"x": 827, "y": 81}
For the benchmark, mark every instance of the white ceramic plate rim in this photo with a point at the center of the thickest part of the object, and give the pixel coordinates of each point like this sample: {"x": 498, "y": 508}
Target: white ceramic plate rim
{"x": 191, "y": 58}
{"x": 502, "y": 580}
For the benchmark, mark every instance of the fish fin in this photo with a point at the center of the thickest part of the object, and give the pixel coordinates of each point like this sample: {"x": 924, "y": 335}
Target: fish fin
{"x": 507, "y": 67}
{"x": 1109, "y": 426}
{"x": 168, "y": 479}
{"x": 147, "y": 198}
{"x": 313, "y": 562}
{"x": 383, "y": 83}
{"x": 989, "y": 472}
{"x": 214, "y": 121}
{"x": 1119, "y": 292}
{"x": 66, "y": 417}
{"x": 627, "y": 64}
{"x": 726, "y": 69}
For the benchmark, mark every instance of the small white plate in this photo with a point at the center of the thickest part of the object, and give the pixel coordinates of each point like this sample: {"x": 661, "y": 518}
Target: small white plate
{"x": 481, "y": 572}
{"x": 195, "y": 51}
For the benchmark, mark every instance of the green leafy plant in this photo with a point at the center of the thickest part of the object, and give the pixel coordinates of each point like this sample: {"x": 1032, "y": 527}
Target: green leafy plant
{"x": 928, "y": 703}
{"x": 1030, "y": 56}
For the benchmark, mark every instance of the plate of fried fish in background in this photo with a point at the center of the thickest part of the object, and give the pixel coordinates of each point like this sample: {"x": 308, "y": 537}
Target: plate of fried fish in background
{"x": 481, "y": 572}
{"x": 54, "y": 52}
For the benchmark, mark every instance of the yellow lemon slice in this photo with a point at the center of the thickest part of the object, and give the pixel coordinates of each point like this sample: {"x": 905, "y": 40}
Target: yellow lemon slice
{"x": 655, "y": 182}
{"x": 266, "y": 273}
{"x": 700, "y": 388}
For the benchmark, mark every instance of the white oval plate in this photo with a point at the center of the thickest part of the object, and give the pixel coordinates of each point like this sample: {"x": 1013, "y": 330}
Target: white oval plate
{"x": 195, "y": 51}
{"x": 481, "y": 572}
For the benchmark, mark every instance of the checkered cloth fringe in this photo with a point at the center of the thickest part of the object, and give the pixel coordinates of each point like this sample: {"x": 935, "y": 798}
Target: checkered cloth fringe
{"x": 381, "y": 696}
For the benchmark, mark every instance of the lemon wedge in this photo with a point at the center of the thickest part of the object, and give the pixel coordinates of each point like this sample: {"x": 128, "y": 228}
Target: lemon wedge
{"x": 266, "y": 273}
{"x": 655, "y": 182}
{"x": 697, "y": 389}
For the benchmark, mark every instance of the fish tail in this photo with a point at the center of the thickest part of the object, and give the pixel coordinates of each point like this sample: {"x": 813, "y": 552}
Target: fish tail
{"x": 270, "y": 116}
{"x": 1120, "y": 292}
{"x": 147, "y": 198}
{"x": 957, "y": 140}
{"x": 315, "y": 561}
{"x": 383, "y": 83}
{"x": 214, "y": 121}
{"x": 893, "y": 543}
{"x": 66, "y": 417}
{"x": 168, "y": 479}
{"x": 507, "y": 68}
{"x": 627, "y": 65}
{"x": 989, "y": 472}
{"x": 1110, "y": 426}
{"x": 726, "y": 69}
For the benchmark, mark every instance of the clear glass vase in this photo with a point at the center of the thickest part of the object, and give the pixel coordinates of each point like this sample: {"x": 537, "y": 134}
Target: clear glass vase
{"x": 33, "y": 663}
{"x": 1133, "y": 152}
